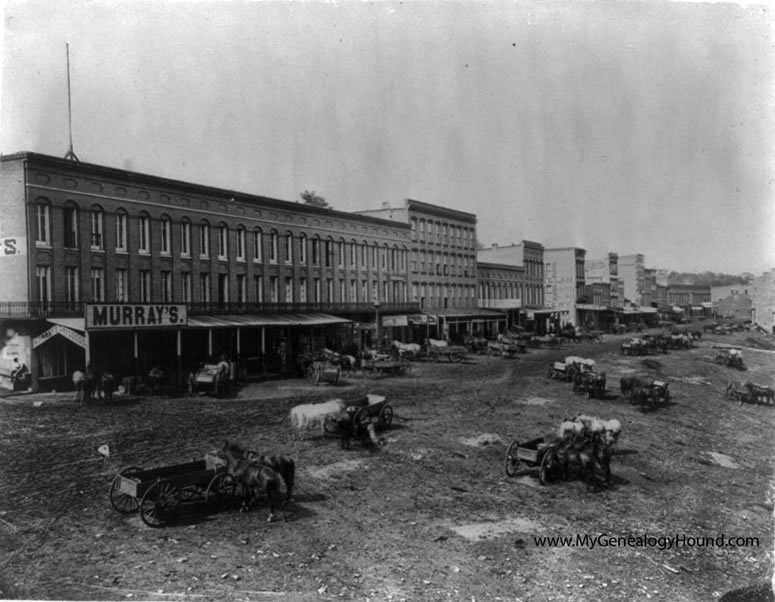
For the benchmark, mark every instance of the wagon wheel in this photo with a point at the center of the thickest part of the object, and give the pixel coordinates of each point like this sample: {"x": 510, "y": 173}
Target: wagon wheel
{"x": 159, "y": 502}
{"x": 385, "y": 418}
{"x": 547, "y": 464}
{"x": 434, "y": 355}
{"x": 456, "y": 357}
{"x": 123, "y": 502}
{"x": 512, "y": 460}
{"x": 221, "y": 491}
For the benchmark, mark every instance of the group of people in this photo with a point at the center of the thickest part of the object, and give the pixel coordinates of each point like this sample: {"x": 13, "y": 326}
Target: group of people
{"x": 93, "y": 384}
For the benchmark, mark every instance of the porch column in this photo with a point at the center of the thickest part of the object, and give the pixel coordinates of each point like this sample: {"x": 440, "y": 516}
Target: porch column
{"x": 210, "y": 343}
{"x": 180, "y": 358}
{"x": 135, "y": 356}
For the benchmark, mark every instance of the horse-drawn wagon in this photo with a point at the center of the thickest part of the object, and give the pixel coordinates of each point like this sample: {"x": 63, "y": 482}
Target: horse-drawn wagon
{"x": 590, "y": 383}
{"x": 386, "y": 366}
{"x": 650, "y": 394}
{"x": 567, "y": 369}
{"x": 160, "y": 494}
{"x": 506, "y": 347}
{"x": 209, "y": 378}
{"x": 532, "y": 454}
{"x": 434, "y": 350}
{"x": 729, "y": 356}
{"x": 362, "y": 417}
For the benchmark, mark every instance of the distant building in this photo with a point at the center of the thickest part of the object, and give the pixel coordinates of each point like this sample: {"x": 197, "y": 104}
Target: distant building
{"x": 501, "y": 287}
{"x": 693, "y": 299}
{"x": 564, "y": 282}
{"x": 632, "y": 275}
{"x": 763, "y": 301}
{"x": 732, "y": 301}
{"x": 606, "y": 270}
{"x": 442, "y": 268}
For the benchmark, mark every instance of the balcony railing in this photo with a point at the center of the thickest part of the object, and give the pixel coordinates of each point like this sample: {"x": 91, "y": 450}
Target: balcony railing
{"x": 43, "y": 309}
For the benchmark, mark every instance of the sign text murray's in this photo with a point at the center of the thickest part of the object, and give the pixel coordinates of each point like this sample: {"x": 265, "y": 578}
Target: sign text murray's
{"x": 134, "y": 315}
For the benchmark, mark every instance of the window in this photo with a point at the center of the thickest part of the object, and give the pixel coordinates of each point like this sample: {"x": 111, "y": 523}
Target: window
{"x": 414, "y": 228}
{"x": 185, "y": 238}
{"x": 71, "y": 227}
{"x": 204, "y": 288}
{"x": 258, "y": 288}
{"x": 329, "y": 290}
{"x": 240, "y": 244}
{"x": 204, "y": 240}
{"x": 315, "y": 251}
{"x": 144, "y": 234}
{"x": 316, "y": 284}
{"x": 185, "y": 287}
{"x": 43, "y": 277}
{"x": 374, "y": 291}
{"x": 374, "y": 252}
{"x": 223, "y": 289}
{"x": 273, "y": 247}
{"x": 166, "y": 286}
{"x": 121, "y": 230}
{"x": 329, "y": 253}
{"x": 288, "y": 247}
{"x": 303, "y": 249}
{"x": 257, "y": 245}
{"x": 341, "y": 291}
{"x": 303, "y": 290}
{"x": 364, "y": 255}
{"x": 353, "y": 291}
{"x": 166, "y": 230}
{"x": 72, "y": 292}
{"x": 145, "y": 286}
{"x": 289, "y": 290}
{"x": 97, "y": 220}
{"x": 121, "y": 285}
{"x": 241, "y": 290}
{"x": 223, "y": 241}
{"x": 273, "y": 291}
{"x": 43, "y": 223}
{"x": 97, "y": 284}
{"x": 364, "y": 291}
{"x": 340, "y": 253}
{"x": 385, "y": 297}
{"x": 353, "y": 253}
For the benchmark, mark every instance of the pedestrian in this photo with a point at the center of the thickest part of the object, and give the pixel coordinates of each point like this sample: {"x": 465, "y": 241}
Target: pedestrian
{"x": 81, "y": 386}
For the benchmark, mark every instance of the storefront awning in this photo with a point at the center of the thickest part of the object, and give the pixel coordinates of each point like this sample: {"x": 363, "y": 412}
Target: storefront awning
{"x": 468, "y": 313}
{"x": 72, "y": 323}
{"x": 237, "y": 320}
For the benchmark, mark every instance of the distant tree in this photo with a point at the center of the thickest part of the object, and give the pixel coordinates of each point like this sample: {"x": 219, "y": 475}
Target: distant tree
{"x": 310, "y": 198}
{"x": 706, "y": 278}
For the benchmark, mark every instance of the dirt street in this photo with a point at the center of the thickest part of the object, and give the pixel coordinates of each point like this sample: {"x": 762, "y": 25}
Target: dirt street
{"x": 431, "y": 515}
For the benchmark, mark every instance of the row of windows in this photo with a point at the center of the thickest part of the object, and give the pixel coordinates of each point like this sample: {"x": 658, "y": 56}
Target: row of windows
{"x": 321, "y": 252}
{"x": 442, "y": 233}
{"x": 316, "y": 289}
{"x": 442, "y": 263}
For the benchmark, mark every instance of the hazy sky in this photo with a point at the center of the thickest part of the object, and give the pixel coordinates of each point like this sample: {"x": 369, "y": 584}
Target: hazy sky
{"x": 633, "y": 127}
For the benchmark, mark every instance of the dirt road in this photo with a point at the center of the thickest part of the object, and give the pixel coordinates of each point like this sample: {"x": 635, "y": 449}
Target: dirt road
{"x": 429, "y": 516}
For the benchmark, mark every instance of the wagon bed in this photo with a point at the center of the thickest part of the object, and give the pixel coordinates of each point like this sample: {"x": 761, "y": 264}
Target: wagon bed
{"x": 532, "y": 453}
{"x": 158, "y": 493}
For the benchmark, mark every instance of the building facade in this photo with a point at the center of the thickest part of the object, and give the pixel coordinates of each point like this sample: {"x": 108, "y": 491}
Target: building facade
{"x": 763, "y": 301}
{"x": 606, "y": 269}
{"x": 501, "y": 287}
{"x": 97, "y": 248}
{"x": 442, "y": 268}
{"x": 564, "y": 282}
{"x": 632, "y": 275}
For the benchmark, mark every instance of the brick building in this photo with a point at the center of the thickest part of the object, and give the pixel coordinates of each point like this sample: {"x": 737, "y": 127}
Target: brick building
{"x": 96, "y": 249}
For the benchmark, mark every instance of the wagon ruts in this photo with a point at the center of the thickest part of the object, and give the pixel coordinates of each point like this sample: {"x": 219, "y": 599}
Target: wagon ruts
{"x": 161, "y": 494}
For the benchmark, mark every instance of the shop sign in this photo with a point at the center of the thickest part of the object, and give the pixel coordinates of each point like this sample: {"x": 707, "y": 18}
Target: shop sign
{"x": 69, "y": 334}
{"x": 101, "y": 316}
{"x": 395, "y": 321}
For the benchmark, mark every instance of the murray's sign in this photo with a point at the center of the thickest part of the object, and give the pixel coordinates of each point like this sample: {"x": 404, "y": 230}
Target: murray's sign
{"x": 130, "y": 315}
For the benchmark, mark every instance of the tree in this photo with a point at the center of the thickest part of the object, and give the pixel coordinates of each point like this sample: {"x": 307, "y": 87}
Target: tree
{"x": 310, "y": 198}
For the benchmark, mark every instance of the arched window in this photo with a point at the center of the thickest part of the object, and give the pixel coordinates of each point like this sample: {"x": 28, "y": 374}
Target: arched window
{"x": 166, "y": 234}
{"x": 303, "y": 249}
{"x": 223, "y": 241}
{"x": 204, "y": 239}
{"x": 329, "y": 253}
{"x": 240, "y": 243}
{"x": 353, "y": 255}
{"x": 273, "y": 246}
{"x": 144, "y": 233}
{"x": 97, "y": 226}
{"x": 288, "y": 247}
{"x": 70, "y": 223}
{"x": 185, "y": 237}
{"x": 258, "y": 246}
{"x": 316, "y": 251}
{"x": 121, "y": 221}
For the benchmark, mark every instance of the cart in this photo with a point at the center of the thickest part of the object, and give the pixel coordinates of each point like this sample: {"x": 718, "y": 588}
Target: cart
{"x": 385, "y": 367}
{"x": 532, "y": 453}
{"x": 506, "y": 347}
{"x": 730, "y": 356}
{"x": 371, "y": 409}
{"x": 159, "y": 494}
{"x": 651, "y": 395}
{"x": 323, "y": 371}
{"x": 205, "y": 379}
{"x": 454, "y": 353}
{"x": 590, "y": 383}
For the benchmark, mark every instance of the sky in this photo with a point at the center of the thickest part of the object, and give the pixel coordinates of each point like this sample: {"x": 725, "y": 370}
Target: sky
{"x": 627, "y": 127}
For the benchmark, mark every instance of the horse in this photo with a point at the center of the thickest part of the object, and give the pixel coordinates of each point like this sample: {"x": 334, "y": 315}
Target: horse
{"x": 254, "y": 478}
{"x": 628, "y": 384}
{"x": 410, "y": 350}
{"x": 760, "y": 392}
{"x": 282, "y": 465}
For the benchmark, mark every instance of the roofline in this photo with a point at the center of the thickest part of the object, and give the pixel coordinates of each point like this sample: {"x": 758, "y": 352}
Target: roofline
{"x": 500, "y": 266}
{"x": 440, "y": 210}
{"x": 199, "y": 189}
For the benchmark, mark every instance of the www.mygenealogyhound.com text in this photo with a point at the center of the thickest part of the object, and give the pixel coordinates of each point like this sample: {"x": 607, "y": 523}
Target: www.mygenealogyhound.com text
{"x": 661, "y": 542}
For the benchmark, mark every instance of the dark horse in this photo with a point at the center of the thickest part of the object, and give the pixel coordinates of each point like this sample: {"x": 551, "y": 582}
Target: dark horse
{"x": 254, "y": 478}
{"x": 282, "y": 465}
